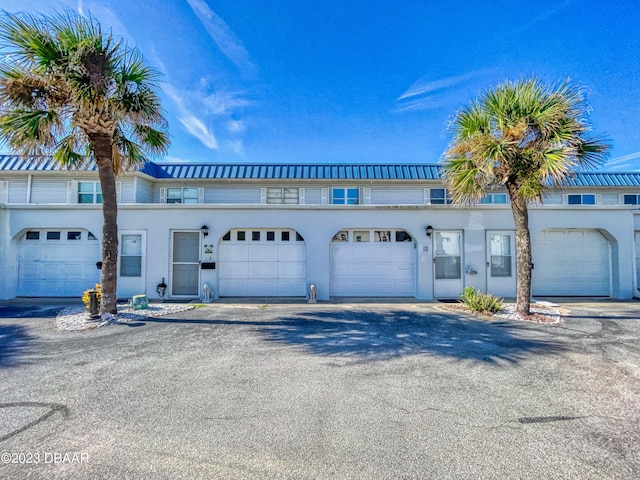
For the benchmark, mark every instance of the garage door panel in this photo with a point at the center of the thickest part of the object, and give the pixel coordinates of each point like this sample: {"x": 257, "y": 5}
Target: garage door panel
{"x": 234, "y": 270}
{"x": 235, "y": 286}
{"x": 289, "y": 270}
{"x": 291, "y": 287}
{"x": 263, "y": 268}
{"x": 263, "y": 253}
{"x": 234, "y": 253}
{"x": 258, "y": 287}
{"x": 58, "y": 267}
{"x": 372, "y": 269}
{"x": 572, "y": 263}
{"x": 292, "y": 253}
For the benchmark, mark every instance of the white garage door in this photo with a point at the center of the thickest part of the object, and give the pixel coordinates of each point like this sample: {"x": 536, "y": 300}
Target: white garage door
{"x": 57, "y": 263}
{"x": 262, "y": 262}
{"x": 376, "y": 263}
{"x": 573, "y": 262}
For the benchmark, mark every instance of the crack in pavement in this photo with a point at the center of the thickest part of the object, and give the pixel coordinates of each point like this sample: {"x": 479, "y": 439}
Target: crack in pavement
{"x": 54, "y": 407}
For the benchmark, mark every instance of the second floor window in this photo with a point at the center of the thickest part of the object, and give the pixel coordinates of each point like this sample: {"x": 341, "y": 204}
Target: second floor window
{"x": 581, "y": 199}
{"x": 89, "y": 192}
{"x": 278, "y": 195}
{"x": 345, "y": 196}
{"x": 439, "y": 196}
{"x": 494, "y": 198}
{"x": 182, "y": 195}
{"x": 631, "y": 200}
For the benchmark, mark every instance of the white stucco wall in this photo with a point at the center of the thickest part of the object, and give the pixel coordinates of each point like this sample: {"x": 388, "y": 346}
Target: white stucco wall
{"x": 317, "y": 224}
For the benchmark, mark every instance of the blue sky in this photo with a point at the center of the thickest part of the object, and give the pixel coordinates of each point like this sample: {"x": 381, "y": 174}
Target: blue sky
{"x": 354, "y": 81}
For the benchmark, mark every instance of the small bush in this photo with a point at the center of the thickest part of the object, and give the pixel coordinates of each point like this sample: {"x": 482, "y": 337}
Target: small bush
{"x": 86, "y": 298}
{"x": 481, "y": 302}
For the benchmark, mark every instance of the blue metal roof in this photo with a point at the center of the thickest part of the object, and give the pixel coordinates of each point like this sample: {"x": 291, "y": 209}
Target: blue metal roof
{"x": 293, "y": 171}
{"x": 38, "y": 163}
{"x": 218, "y": 171}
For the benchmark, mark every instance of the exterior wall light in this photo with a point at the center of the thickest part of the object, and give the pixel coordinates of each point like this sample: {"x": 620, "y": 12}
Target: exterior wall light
{"x": 429, "y": 230}
{"x": 205, "y": 230}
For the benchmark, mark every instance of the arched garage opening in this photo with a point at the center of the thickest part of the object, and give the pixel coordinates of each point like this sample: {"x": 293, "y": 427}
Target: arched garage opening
{"x": 572, "y": 262}
{"x": 57, "y": 262}
{"x": 377, "y": 262}
{"x": 262, "y": 262}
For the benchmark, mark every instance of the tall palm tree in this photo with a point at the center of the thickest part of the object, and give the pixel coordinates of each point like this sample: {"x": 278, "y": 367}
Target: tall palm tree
{"x": 70, "y": 90}
{"x": 525, "y": 136}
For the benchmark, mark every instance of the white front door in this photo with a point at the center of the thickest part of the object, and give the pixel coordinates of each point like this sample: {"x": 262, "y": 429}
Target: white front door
{"x": 447, "y": 264}
{"x": 186, "y": 264}
{"x": 131, "y": 264}
{"x": 501, "y": 265}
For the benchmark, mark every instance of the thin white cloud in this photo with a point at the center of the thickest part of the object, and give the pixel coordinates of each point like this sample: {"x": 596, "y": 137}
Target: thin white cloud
{"x": 222, "y": 102}
{"x": 224, "y": 37}
{"x": 107, "y": 18}
{"x": 237, "y": 146}
{"x": 191, "y": 123}
{"x": 430, "y": 94}
{"x": 196, "y": 128}
{"x": 236, "y": 127}
{"x": 623, "y": 162}
{"x": 425, "y": 85}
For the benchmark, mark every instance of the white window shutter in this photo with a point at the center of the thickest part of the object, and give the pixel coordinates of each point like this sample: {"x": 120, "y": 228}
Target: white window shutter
{"x": 621, "y": 199}
{"x": 163, "y": 195}
{"x": 72, "y": 191}
{"x": 565, "y": 198}
{"x": 200, "y": 195}
{"x": 324, "y": 196}
{"x": 119, "y": 192}
{"x": 4, "y": 192}
{"x": 598, "y": 199}
{"x": 263, "y": 195}
{"x": 427, "y": 196}
{"x": 367, "y": 196}
{"x": 301, "y": 194}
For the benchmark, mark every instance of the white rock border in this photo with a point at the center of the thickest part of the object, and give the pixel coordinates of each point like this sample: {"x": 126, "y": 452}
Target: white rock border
{"x": 74, "y": 319}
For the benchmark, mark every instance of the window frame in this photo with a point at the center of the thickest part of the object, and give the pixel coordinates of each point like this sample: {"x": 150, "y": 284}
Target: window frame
{"x": 282, "y": 198}
{"x": 490, "y": 199}
{"x": 95, "y": 194}
{"x": 571, "y": 197}
{"x": 346, "y": 198}
{"x": 182, "y": 199}
{"x": 636, "y": 197}
{"x": 125, "y": 255}
{"x": 444, "y": 200}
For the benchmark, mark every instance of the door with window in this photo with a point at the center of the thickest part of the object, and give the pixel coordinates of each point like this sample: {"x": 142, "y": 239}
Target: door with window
{"x": 185, "y": 271}
{"x": 447, "y": 264}
{"x": 501, "y": 264}
{"x": 131, "y": 263}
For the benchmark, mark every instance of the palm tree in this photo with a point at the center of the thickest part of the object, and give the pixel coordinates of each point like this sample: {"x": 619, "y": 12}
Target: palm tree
{"x": 525, "y": 136}
{"x": 69, "y": 90}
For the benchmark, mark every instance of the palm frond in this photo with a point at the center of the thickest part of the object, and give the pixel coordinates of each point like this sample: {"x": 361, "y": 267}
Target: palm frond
{"x": 523, "y": 134}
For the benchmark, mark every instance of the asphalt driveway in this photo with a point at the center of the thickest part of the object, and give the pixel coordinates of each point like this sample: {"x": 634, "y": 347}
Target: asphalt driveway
{"x": 322, "y": 391}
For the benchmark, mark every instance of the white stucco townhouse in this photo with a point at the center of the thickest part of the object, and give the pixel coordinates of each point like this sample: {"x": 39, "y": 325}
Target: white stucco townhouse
{"x": 271, "y": 230}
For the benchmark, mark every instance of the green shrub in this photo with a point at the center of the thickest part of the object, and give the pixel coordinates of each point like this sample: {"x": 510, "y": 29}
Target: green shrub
{"x": 480, "y": 302}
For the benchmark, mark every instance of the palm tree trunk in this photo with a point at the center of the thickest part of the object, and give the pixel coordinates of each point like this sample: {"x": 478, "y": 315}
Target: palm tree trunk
{"x": 102, "y": 151}
{"x": 523, "y": 255}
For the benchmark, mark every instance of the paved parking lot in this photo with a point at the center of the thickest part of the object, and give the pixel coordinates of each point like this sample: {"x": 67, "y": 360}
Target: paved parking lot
{"x": 322, "y": 391}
